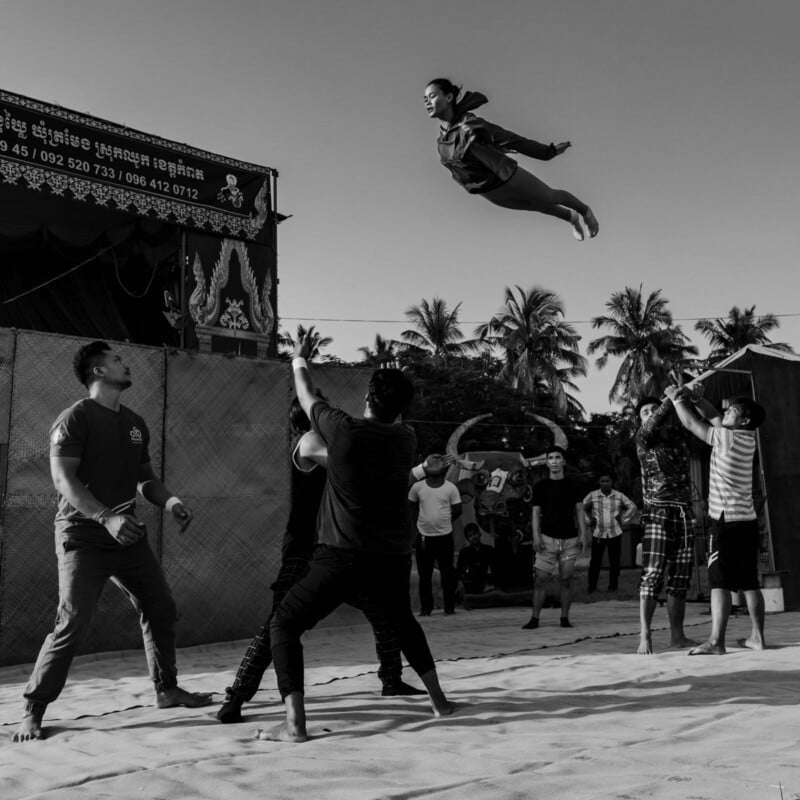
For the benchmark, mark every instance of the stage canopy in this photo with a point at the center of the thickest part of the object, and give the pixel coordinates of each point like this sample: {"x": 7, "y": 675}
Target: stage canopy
{"x": 107, "y": 232}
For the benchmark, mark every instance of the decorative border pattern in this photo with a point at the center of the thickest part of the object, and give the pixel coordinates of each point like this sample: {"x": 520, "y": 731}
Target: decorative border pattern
{"x": 205, "y": 302}
{"x": 140, "y": 203}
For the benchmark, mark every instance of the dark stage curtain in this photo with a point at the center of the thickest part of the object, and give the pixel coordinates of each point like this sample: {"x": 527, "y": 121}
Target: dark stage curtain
{"x": 117, "y": 294}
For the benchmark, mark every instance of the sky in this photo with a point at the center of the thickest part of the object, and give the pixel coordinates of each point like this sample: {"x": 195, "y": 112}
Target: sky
{"x": 684, "y": 118}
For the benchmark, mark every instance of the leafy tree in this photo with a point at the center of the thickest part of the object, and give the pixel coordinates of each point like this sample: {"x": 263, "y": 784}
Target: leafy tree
{"x": 436, "y": 332}
{"x": 314, "y": 341}
{"x": 540, "y": 349}
{"x": 383, "y": 355}
{"x": 643, "y": 334}
{"x": 728, "y": 334}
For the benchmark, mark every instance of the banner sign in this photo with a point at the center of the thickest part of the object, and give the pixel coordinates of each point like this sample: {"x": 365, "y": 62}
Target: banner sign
{"x": 91, "y": 160}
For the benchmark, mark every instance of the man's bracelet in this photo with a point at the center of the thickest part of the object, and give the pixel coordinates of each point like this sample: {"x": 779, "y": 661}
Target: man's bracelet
{"x": 299, "y": 363}
{"x": 172, "y": 502}
{"x": 102, "y": 515}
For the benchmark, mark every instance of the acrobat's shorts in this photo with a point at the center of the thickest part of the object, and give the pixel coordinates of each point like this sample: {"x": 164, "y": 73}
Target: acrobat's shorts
{"x": 733, "y": 555}
{"x": 554, "y": 552}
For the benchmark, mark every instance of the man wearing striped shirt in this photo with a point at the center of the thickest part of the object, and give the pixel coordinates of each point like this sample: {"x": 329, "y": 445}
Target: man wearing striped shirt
{"x": 734, "y": 540}
{"x": 607, "y": 509}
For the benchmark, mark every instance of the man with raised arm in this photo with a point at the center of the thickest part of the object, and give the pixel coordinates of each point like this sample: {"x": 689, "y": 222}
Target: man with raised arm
{"x": 309, "y": 461}
{"x": 364, "y": 538}
{"x": 99, "y": 457}
{"x": 667, "y": 518}
{"x": 734, "y": 541}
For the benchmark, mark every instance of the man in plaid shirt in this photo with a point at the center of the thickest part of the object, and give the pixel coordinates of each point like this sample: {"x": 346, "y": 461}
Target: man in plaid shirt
{"x": 606, "y": 509}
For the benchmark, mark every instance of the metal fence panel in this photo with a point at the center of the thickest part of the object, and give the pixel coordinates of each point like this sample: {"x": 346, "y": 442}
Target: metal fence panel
{"x": 227, "y": 445}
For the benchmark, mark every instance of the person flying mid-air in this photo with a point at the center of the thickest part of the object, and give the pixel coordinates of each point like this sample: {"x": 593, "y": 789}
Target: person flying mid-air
{"x": 474, "y": 150}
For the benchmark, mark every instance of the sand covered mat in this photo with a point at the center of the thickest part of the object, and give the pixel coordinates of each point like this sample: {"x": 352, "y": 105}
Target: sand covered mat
{"x": 552, "y": 713}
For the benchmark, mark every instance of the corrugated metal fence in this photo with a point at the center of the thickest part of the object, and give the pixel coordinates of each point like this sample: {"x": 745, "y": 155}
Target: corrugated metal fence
{"x": 220, "y": 439}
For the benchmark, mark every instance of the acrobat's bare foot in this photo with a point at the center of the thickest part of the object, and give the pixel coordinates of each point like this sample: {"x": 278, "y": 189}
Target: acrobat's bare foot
{"x": 175, "y": 696}
{"x": 591, "y": 223}
{"x": 30, "y": 728}
{"x": 282, "y": 733}
{"x": 752, "y": 643}
{"x": 645, "y": 645}
{"x": 708, "y": 649}
{"x": 681, "y": 643}
{"x": 577, "y": 228}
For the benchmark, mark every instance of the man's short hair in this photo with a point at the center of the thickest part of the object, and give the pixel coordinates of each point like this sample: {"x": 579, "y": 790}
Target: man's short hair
{"x": 86, "y": 359}
{"x": 470, "y": 528}
{"x": 646, "y": 401}
{"x": 753, "y": 411}
{"x": 390, "y": 393}
{"x": 554, "y": 448}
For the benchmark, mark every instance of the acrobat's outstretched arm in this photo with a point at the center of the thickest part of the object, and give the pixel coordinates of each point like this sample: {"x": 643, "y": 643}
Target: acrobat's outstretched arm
{"x": 510, "y": 142}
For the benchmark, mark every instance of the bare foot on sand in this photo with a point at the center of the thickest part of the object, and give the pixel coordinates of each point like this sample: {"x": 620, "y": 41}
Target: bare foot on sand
{"x": 30, "y": 728}
{"x": 751, "y": 643}
{"x": 707, "y": 649}
{"x": 175, "y": 696}
{"x": 645, "y": 645}
{"x": 682, "y": 643}
{"x": 442, "y": 708}
{"x": 282, "y": 733}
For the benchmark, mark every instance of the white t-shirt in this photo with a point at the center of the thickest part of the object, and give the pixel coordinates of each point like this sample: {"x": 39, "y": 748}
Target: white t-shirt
{"x": 435, "y": 516}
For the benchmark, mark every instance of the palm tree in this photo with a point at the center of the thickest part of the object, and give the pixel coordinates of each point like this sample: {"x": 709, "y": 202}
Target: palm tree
{"x": 642, "y": 332}
{"x": 728, "y": 334}
{"x": 437, "y": 331}
{"x": 383, "y": 355}
{"x": 311, "y": 338}
{"x": 541, "y": 354}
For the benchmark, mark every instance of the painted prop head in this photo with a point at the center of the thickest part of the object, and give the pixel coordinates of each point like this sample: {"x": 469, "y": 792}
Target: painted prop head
{"x": 498, "y": 483}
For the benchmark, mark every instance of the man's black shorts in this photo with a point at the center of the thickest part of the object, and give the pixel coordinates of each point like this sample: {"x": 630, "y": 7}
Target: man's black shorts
{"x": 733, "y": 555}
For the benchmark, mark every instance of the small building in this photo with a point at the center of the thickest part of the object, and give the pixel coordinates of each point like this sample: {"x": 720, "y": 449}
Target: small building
{"x": 112, "y": 233}
{"x": 772, "y": 378}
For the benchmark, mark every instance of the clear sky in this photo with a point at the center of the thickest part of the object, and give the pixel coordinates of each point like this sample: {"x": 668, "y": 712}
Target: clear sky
{"x": 684, "y": 118}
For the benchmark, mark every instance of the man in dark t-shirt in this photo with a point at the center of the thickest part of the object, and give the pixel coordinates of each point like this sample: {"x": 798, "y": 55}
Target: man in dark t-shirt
{"x": 559, "y": 535}
{"x": 309, "y": 460}
{"x": 99, "y": 458}
{"x": 364, "y": 537}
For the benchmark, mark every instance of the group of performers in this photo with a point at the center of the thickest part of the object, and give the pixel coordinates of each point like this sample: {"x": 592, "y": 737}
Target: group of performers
{"x": 348, "y": 543}
{"x": 347, "y": 539}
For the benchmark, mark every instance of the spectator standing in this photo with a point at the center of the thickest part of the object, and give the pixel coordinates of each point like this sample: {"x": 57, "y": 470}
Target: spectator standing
{"x": 436, "y": 504}
{"x": 559, "y": 535}
{"x": 607, "y": 510}
{"x": 474, "y": 568}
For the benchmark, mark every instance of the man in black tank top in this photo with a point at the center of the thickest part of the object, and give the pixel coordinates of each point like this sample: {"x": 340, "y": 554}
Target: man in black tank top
{"x": 98, "y": 459}
{"x": 299, "y": 540}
